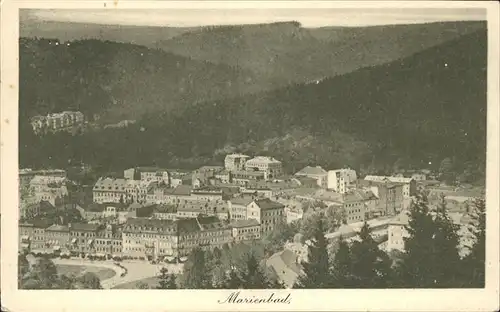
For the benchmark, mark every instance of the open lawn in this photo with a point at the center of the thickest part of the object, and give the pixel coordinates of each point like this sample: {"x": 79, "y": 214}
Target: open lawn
{"x": 152, "y": 282}
{"x": 102, "y": 273}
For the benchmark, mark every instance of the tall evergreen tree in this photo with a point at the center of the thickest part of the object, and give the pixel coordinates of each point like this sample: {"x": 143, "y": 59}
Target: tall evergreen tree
{"x": 233, "y": 280}
{"x": 253, "y": 277}
{"x": 167, "y": 281}
{"x": 446, "y": 242}
{"x": 196, "y": 275}
{"x": 316, "y": 269}
{"x": 370, "y": 265}
{"x": 341, "y": 276}
{"x": 430, "y": 257}
{"x": 475, "y": 260}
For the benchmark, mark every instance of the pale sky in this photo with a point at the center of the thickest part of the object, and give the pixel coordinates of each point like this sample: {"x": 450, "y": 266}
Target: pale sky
{"x": 307, "y": 17}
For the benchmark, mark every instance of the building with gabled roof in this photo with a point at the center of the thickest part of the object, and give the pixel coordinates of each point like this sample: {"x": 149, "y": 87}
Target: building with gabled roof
{"x": 267, "y": 212}
{"x": 409, "y": 188}
{"x": 235, "y": 162}
{"x": 285, "y": 264}
{"x": 317, "y": 173}
{"x": 245, "y": 230}
{"x": 269, "y": 165}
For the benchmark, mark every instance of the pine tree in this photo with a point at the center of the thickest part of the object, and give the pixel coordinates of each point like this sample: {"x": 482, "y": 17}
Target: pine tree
{"x": 167, "y": 281}
{"x": 341, "y": 266}
{"x": 253, "y": 277}
{"x": 475, "y": 261}
{"x": 446, "y": 242}
{"x": 431, "y": 255}
{"x": 196, "y": 274}
{"x": 233, "y": 280}
{"x": 316, "y": 269}
{"x": 370, "y": 266}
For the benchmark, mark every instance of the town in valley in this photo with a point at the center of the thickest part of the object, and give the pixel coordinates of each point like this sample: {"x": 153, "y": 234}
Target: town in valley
{"x": 262, "y": 156}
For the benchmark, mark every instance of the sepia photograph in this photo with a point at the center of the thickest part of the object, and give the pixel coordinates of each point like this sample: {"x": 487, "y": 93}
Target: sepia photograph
{"x": 236, "y": 149}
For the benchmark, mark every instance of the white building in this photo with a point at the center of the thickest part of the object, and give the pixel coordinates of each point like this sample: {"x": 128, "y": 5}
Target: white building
{"x": 317, "y": 173}
{"x": 148, "y": 174}
{"x": 44, "y": 183}
{"x": 108, "y": 190}
{"x": 339, "y": 180}
{"x": 409, "y": 187}
{"x": 396, "y": 232}
{"x": 235, "y": 162}
{"x": 57, "y": 122}
{"x": 270, "y": 166}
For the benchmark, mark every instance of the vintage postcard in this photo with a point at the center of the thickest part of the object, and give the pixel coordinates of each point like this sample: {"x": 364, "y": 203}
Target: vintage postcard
{"x": 249, "y": 156}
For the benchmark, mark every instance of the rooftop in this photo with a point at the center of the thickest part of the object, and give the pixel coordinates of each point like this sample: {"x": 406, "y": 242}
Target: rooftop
{"x": 388, "y": 178}
{"x": 57, "y": 228}
{"x": 141, "y": 225}
{"x": 266, "y": 204}
{"x": 84, "y": 227}
{"x": 244, "y": 223}
{"x": 312, "y": 171}
{"x": 242, "y": 200}
{"x": 165, "y": 209}
{"x": 264, "y": 159}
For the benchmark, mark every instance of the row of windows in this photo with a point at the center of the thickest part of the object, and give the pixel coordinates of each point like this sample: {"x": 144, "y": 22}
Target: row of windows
{"x": 105, "y": 249}
{"x": 99, "y": 242}
{"x": 355, "y": 218}
{"x": 84, "y": 234}
{"x": 353, "y": 205}
{"x": 273, "y": 213}
{"x": 251, "y": 230}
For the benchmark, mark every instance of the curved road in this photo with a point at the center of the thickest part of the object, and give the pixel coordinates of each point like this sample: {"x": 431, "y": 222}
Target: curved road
{"x": 137, "y": 270}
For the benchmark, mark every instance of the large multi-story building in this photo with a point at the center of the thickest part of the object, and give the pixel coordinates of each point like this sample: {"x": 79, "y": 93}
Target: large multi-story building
{"x": 149, "y": 174}
{"x": 267, "y": 212}
{"x": 203, "y": 232}
{"x": 271, "y": 167}
{"x": 32, "y": 235}
{"x": 165, "y": 212}
{"x": 388, "y": 198}
{"x": 245, "y": 230}
{"x": 165, "y": 195}
{"x": 246, "y": 177}
{"x": 150, "y": 238}
{"x": 108, "y": 241}
{"x": 109, "y": 190}
{"x": 238, "y": 207}
{"x": 25, "y": 175}
{"x": 63, "y": 121}
{"x": 57, "y": 237}
{"x": 353, "y": 204}
{"x": 83, "y": 237}
{"x": 317, "y": 173}
{"x": 207, "y": 193}
{"x": 409, "y": 188}
{"x": 235, "y": 162}
{"x": 339, "y": 180}
{"x": 43, "y": 183}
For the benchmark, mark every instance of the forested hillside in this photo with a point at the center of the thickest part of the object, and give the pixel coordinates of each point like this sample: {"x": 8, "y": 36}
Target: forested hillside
{"x": 420, "y": 109}
{"x": 289, "y": 53}
{"x": 117, "y": 80}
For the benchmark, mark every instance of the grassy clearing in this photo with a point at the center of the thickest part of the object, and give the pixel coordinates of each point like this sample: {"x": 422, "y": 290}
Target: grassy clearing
{"x": 152, "y": 282}
{"x": 102, "y": 273}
